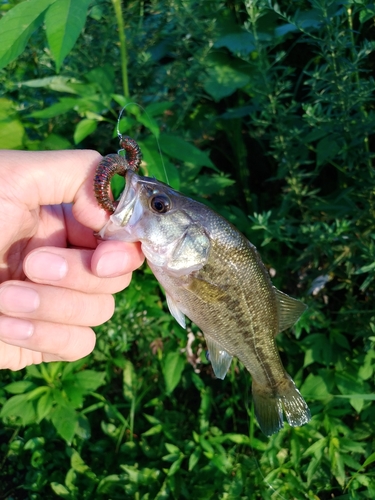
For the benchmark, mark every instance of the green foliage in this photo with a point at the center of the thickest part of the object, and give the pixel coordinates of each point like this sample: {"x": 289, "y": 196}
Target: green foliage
{"x": 264, "y": 111}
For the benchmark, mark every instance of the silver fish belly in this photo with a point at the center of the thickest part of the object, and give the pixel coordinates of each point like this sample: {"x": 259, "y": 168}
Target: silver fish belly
{"x": 213, "y": 275}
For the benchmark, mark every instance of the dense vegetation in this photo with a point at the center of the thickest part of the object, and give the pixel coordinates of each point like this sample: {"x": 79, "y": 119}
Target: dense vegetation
{"x": 264, "y": 111}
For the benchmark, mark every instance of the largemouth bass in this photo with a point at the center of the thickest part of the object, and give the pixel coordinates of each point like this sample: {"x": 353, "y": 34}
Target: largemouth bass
{"x": 213, "y": 275}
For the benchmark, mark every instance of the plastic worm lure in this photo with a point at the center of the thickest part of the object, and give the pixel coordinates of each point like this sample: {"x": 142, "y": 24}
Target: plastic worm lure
{"x": 115, "y": 164}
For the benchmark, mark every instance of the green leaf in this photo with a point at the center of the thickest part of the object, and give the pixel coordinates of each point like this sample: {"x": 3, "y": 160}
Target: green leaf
{"x": 178, "y": 148}
{"x": 210, "y": 184}
{"x": 129, "y": 379}
{"x": 326, "y": 149}
{"x": 60, "y": 490}
{"x": 175, "y": 467}
{"x": 194, "y": 458}
{"x": 173, "y": 365}
{"x": 156, "y": 165}
{"x": 20, "y": 387}
{"x": 158, "y": 108}
{"x": 84, "y": 128}
{"x": 65, "y": 419}
{"x": 44, "y": 405}
{"x": 54, "y": 142}
{"x": 19, "y": 406}
{"x": 150, "y": 124}
{"x": 83, "y": 382}
{"x": 12, "y": 134}
{"x": 57, "y": 83}
{"x": 241, "y": 41}
{"x": 65, "y": 20}
{"x": 315, "y": 387}
{"x": 78, "y": 464}
{"x": 172, "y": 448}
{"x": 17, "y": 26}
{"x": 65, "y": 104}
{"x": 104, "y": 77}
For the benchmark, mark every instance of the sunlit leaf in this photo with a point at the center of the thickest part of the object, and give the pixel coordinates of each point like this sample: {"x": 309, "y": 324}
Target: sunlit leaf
{"x": 173, "y": 365}
{"x": 17, "y": 26}
{"x": 65, "y": 419}
{"x": 84, "y": 128}
{"x": 64, "y": 22}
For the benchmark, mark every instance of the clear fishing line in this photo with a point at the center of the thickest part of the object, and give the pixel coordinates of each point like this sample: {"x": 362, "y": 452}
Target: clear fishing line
{"x": 119, "y": 135}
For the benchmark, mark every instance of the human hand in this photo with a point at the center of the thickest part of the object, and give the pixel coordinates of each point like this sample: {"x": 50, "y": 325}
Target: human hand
{"x": 55, "y": 280}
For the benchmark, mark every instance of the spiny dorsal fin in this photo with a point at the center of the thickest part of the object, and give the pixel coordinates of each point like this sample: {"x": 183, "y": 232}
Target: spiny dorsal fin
{"x": 289, "y": 310}
{"x": 219, "y": 358}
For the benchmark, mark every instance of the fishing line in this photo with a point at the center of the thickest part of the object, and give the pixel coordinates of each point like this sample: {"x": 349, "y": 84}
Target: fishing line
{"x": 119, "y": 135}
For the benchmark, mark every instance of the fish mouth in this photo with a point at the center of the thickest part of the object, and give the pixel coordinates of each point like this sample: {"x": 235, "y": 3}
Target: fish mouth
{"x": 126, "y": 214}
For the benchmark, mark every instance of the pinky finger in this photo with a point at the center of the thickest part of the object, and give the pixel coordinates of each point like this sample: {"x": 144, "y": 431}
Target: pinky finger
{"x": 24, "y": 342}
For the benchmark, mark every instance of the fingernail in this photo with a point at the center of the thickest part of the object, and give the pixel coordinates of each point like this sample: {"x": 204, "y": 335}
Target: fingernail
{"x": 18, "y": 299}
{"x": 15, "y": 329}
{"x": 112, "y": 264}
{"x": 46, "y": 266}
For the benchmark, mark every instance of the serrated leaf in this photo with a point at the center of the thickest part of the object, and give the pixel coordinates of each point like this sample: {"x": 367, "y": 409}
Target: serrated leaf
{"x": 17, "y": 26}
{"x": 65, "y": 20}
{"x": 84, "y": 128}
{"x": 173, "y": 366}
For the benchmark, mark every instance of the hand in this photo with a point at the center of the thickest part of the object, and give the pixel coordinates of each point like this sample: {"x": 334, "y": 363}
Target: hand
{"x": 55, "y": 280}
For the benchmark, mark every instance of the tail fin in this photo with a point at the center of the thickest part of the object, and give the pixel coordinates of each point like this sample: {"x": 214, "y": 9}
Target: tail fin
{"x": 269, "y": 405}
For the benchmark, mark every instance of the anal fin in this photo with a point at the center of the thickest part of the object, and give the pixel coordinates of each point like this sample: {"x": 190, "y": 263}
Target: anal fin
{"x": 219, "y": 358}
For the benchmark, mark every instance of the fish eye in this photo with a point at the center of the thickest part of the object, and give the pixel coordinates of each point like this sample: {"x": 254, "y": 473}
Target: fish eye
{"x": 160, "y": 203}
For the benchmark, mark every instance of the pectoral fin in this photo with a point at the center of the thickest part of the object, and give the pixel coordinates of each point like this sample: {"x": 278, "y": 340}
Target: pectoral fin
{"x": 219, "y": 358}
{"x": 175, "y": 311}
{"x": 289, "y": 310}
{"x": 191, "y": 252}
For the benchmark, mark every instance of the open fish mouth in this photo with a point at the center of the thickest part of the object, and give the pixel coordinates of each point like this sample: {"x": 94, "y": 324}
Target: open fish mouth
{"x": 127, "y": 212}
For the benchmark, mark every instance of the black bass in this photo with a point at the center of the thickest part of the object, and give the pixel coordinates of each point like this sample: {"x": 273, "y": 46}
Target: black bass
{"x": 212, "y": 274}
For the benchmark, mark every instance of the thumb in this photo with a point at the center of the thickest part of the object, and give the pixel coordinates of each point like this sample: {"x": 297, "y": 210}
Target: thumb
{"x": 53, "y": 177}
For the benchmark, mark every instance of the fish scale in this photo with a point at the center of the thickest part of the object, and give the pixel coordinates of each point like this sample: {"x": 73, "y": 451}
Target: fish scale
{"x": 213, "y": 275}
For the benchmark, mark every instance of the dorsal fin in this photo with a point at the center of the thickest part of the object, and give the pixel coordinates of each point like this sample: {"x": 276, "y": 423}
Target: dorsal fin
{"x": 219, "y": 358}
{"x": 289, "y": 310}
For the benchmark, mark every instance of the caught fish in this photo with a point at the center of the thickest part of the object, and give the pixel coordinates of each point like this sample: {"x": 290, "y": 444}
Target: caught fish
{"x": 213, "y": 275}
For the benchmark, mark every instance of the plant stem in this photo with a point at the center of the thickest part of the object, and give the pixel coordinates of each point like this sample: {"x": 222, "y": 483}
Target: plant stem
{"x": 123, "y": 51}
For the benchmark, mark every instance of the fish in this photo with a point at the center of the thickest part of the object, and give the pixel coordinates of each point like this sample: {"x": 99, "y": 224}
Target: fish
{"x": 214, "y": 276}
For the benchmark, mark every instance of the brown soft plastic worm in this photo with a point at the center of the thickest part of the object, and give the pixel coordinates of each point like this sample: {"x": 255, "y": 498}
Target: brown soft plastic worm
{"x": 115, "y": 164}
